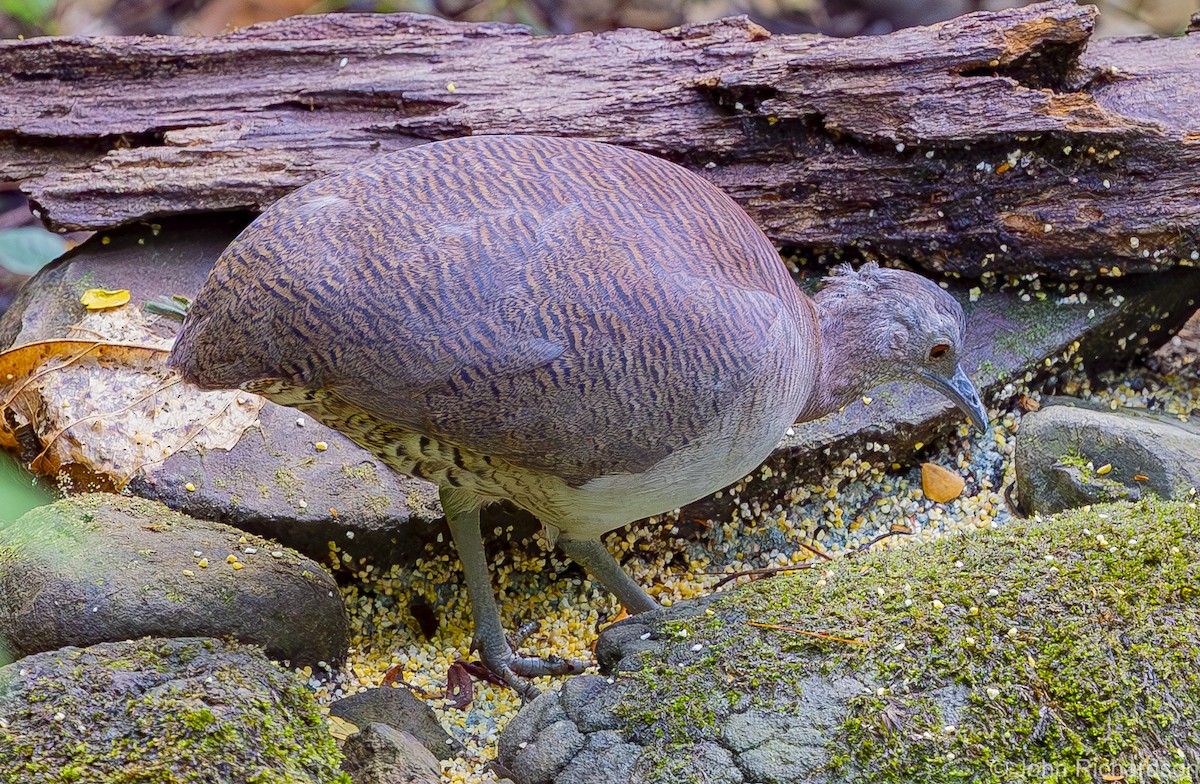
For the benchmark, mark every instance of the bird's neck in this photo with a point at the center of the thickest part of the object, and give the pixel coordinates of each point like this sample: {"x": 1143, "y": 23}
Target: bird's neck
{"x": 846, "y": 369}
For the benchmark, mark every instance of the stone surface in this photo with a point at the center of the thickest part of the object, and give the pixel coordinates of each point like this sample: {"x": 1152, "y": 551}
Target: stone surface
{"x": 380, "y": 754}
{"x": 539, "y": 762}
{"x": 401, "y": 710}
{"x": 10, "y": 284}
{"x": 604, "y": 759}
{"x": 263, "y": 474}
{"x": 164, "y": 711}
{"x": 967, "y": 658}
{"x": 1147, "y": 454}
{"x": 102, "y": 568}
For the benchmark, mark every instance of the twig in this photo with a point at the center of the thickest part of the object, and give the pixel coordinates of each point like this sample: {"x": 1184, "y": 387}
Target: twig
{"x": 862, "y": 548}
{"x": 727, "y": 577}
{"x": 820, "y": 635}
{"x": 815, "y": 551}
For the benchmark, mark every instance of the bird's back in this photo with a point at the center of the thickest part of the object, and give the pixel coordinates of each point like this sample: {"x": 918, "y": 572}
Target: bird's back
{"x": 572, "y": 308}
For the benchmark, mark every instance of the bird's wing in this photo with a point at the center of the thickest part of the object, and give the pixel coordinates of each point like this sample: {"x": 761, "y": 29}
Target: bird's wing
{"x": 528, "y": 361}
{"x": 572, "y": 336}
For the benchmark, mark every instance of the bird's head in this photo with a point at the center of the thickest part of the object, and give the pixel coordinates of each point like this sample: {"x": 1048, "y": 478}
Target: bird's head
{"x": 880, "y": 325}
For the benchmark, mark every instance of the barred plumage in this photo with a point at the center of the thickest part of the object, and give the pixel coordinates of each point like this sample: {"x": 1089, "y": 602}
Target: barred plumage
{"x": 573, "y": 309}
{"x": 596, "y": 334}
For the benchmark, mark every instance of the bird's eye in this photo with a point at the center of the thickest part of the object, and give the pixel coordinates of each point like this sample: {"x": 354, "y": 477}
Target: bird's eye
{"x": 938, "y": 351}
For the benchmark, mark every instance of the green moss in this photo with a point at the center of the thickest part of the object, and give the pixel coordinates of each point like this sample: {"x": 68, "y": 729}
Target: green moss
{"x": 1082, "y": 660}
{"x": 377, "y": 504}
{"x": 260, "y": 724}
{"x": 285, "y": 480}
{"x": 1103, "y": 488}
{"x": 360, "y": 472}
{"x": 1040, "y": 321}
{"x": 199, "y": 720}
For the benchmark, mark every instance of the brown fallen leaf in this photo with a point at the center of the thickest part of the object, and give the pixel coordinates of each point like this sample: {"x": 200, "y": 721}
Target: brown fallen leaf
{"x": 940, "y": 484}
{"x": 341, "y": 729}
{"x": 137, "y": 412}
{"x": 460, "y": 688}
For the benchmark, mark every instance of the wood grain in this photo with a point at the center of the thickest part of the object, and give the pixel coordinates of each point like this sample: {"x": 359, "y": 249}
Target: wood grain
{"x": 1003, "y": 142}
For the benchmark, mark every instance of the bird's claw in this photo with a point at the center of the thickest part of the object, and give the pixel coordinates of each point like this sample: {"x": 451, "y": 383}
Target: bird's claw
{"x": 517, "y": 671}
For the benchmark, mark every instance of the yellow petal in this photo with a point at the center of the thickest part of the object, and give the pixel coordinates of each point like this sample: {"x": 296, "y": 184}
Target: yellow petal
{"x": 101, "y": 299}
{"x": 940, "y": 484}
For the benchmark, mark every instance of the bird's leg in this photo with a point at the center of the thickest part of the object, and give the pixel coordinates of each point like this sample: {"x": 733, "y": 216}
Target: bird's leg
{"x": 593, "y": 556}
{"x": 462, "y": 513}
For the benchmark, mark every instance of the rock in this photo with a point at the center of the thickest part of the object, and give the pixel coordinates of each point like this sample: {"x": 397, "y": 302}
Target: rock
{"x": 401, "y": 710}
{"x": 556, "y": 744}
{"x": 246, "y": 463}
{"x": 10, "y": 284}
{"x": 160, "y": 710}
{"x": 1032, "y": 647}
{"x": 381, "y": 754}
{"x": 1064, "y": 448}
{"x": 1007, "y": 340}
{"x": 101, "y": 568}
{"x": 604, "y": 759}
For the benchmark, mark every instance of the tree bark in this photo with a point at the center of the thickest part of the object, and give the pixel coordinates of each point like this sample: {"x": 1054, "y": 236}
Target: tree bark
{"x": 1005, "y": 142}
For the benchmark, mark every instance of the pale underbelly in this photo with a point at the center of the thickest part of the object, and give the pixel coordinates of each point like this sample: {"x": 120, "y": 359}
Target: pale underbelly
{"x": 612, "y": 501}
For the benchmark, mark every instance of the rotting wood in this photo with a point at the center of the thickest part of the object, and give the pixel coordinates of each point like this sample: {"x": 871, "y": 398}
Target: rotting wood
{"x": 1006, "y": 142}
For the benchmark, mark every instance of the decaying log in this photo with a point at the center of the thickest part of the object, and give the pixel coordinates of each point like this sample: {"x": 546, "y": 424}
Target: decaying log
{"x": 1005, "y": 142}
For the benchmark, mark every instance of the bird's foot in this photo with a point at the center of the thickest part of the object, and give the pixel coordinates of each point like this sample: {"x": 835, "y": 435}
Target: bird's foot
{"x": 516, "y": 671}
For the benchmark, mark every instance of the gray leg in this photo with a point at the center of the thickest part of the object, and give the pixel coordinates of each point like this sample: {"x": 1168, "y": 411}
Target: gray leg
{"x": 462, "y": 512}
{"x": 593, "y": 556}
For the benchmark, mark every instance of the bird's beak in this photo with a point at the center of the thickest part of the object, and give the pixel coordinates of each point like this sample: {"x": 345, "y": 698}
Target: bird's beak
{"x": 960, "y": 389}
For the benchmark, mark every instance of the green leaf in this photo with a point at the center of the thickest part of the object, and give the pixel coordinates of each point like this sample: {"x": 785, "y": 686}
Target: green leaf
{"x": 18, "y": 493}
{"x": 26, "y": 250}
{"x": 33, "y": 12}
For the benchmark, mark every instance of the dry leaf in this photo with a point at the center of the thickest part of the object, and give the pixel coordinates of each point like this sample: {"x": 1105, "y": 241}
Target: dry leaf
{"x": 112, "y": 408}
{"x": 341, "y": 729}
{"x": 103, "y": 299}
{"x": 940, "y": 484}
{"x": 460, "y": 689}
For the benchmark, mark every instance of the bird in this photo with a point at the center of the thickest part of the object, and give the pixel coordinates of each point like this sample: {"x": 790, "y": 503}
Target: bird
{"x": 593, "y": 333}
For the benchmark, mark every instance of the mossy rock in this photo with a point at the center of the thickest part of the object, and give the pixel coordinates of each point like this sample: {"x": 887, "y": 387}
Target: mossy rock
{"x": 160, "y": 712}
{"x": 101, "y": 568}
{"x": 1062, "y": 649}
{"x": 1074, "y": 452}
